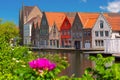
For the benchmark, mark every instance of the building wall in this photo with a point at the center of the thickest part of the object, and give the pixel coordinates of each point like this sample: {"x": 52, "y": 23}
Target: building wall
{"x": 27, "y": 34}
{"x": 33, "y": 34}
{"x": 77, "y": 31}
{"x": 35, "y": 12}
{"x": 24, "y": 19}
{"x": 54, "y": 37}
{"x": 87, "y": 39}
{"x": 65, "y": 33}
{"x": 112, "y": 46}
{"x": 114, "y": 34}
{"x": 98, "y": 41}
{"x": 44, "y": 32}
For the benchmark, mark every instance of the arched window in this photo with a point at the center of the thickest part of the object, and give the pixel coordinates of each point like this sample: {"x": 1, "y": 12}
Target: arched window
{"x": 101, "y": 24}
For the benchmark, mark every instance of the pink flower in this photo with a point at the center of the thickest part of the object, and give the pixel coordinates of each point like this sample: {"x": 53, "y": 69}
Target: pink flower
{"x": 33, "y": 64}
{"x": 42, "y": 64}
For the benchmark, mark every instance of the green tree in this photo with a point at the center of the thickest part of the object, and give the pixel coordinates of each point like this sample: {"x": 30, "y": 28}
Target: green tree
{"x": 8, "y": 30}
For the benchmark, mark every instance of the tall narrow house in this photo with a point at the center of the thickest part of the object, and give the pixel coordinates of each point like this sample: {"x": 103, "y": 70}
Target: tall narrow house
{"x": 26, "y": 14}
{"x": 88, "y": 21}
{"x": 106, "y": 27}
{"x": 55, "y": 20}
{"x": 77, "y": 32}
{"x": 44, "y": 32}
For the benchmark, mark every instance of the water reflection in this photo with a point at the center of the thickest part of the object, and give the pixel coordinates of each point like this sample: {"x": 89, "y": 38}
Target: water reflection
{"x": 77, "y": 60}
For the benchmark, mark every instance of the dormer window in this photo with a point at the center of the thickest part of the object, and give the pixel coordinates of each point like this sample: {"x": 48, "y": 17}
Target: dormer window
{"x": 101, "y": 24}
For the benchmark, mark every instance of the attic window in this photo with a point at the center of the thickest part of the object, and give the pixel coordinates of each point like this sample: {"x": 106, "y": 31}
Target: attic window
{"x": 101, "y": 24}
{"x": 44, "y": 22}
{"x": 66, "y": 23}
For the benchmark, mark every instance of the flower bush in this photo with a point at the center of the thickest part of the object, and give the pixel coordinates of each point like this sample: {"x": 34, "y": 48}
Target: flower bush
{"x": 42, "y": 64}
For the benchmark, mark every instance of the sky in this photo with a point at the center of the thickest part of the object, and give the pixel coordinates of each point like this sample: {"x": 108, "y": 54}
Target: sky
{"x": 9, "y": 9}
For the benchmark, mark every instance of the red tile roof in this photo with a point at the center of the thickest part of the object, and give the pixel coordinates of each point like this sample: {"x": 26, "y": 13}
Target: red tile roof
{"x": 55, "y": 17}
{"x": 88, "y": 19}
{"x": 114, "y": 20}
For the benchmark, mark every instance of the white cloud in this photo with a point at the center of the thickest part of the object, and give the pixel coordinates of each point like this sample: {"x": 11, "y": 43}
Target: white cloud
{"x": 84, "y": 0}
{"x": 113, "y": 6}
{"x": 102, "y": 7}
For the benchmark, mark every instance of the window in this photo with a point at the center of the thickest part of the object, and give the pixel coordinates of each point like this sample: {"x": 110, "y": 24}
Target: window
{"x": 80, "y": 34}
{"x": 88, "y": 33}
{"x": 66, "y": 23}
{"x": 65, "y": 32}
{"x": 87, "y": 41}
{"x": 40, "y": 32}
{"x": 101, "y": 24}
{"x": 51, "y": 42}
{"x": 85, "y": 33}
{"x": 99, "y": 42}
{"x": 106, "y": 33}
{"x": 54, "y": 42}
{"x": 62, "y": 32}
{"x": 119, "y": 32}
{"x": 68, "y": 32}
{"x": 96, "y": 43}
{"x": 102, "y": 43}
{"x": 43, "y": 21}
{"x": 101, "y": 33}
{"x": 54, "y": 31}
{"x": 96, "y": 33}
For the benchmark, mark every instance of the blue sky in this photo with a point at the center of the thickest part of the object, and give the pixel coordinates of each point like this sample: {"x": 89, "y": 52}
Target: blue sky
{"x": 9, "y": 9}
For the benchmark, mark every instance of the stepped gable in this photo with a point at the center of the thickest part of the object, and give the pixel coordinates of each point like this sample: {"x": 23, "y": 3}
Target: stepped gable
{"x": 113, "y": 20}
{"x": 88, "y": 19}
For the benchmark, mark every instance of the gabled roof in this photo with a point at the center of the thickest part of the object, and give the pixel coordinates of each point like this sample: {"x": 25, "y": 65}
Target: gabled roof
{"x": 55, "y": 17}
{"x": 35, "y": 20}
{"x": 90, "y": 23}
{"x": 27, "y": 10}
{"x": 70, "y": 16}
{"x": 71, "y": 19}
{"x": 88, "y": 19}
{"x": 31, "y": 20}
{"x": 114, "y": 20}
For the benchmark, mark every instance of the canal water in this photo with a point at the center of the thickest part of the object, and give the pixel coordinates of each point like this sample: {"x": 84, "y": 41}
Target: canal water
{"x": 78, "y": 61}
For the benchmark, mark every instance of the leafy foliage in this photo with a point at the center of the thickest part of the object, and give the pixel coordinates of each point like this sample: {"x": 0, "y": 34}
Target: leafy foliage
{"x": 104, "y": 69}
{"x": 8, "y": 30}
{"x": 14, "y": 60}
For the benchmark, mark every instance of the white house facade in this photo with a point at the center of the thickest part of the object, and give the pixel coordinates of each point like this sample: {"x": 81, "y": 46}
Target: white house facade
{"x": 101, "y": 31}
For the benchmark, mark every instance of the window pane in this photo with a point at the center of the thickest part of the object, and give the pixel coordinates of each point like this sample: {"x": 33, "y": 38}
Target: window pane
{"x": 101, "y": 24}
{"x": 102, "y": 43}
{"x": 101, "y": 33}
{"x": 106, "y": 33}
{"x": 89, "y": 33}
{"x": 51, "y": 42}
{"x": 96, "y": 33}
{"x": 85, "y": 33}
